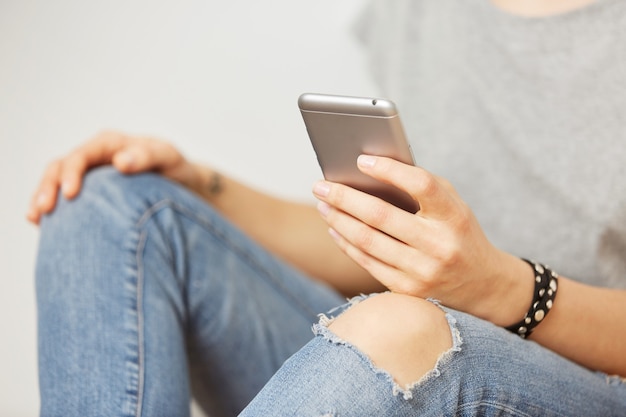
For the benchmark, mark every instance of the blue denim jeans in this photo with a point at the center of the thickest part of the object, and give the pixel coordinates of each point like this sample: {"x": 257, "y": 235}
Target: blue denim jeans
{"x": 147, "y": 296}
{"x": 487, "y": 372}
{"x": 144, "y": 292}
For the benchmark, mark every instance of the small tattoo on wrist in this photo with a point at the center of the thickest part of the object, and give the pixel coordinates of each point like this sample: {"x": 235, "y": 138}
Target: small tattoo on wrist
{"x": 215, "y": 185}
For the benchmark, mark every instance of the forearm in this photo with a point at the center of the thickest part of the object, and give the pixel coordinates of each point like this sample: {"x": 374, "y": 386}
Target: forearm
{"x": 587, "y": 326}
{"x": 443, "y": 253}
{"x": 292, "y": 231}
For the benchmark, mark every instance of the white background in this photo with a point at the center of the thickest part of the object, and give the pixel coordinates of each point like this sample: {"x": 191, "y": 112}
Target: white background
{"x": 218, "y": 79}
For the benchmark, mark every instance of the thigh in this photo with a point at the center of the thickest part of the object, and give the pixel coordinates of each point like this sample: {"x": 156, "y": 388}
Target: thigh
{"x": 247, "y": 311}
{"x": 138, "y": 281}
{"x": 486, "y": 372}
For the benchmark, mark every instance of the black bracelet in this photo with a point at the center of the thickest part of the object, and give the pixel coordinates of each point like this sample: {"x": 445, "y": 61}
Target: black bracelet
{"x": 546, "y": 284}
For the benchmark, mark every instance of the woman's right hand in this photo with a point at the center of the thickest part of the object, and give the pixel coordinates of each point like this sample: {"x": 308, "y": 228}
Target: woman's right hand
{"x": 128, "y": 154}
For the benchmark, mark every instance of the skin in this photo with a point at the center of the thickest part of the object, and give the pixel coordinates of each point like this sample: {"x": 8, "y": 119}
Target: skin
{"x": 540, "y": 8}
{"x": 432, "y": 253}
{"x": 316, "y": 255}
{"x": 439, "y": 252}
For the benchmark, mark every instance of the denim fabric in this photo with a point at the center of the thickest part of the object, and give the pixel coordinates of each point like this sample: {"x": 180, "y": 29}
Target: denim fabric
{"x": 136, "y": 279}
{"x": 146, "y": 294}
{"x": 487, "y": 372}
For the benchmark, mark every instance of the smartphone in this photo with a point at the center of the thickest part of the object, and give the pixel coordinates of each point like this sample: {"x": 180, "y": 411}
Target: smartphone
{"x": 342, "y": 127}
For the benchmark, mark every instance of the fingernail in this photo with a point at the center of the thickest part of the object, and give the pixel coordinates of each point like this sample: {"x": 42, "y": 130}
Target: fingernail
{"x": 366, "y": 161}
{"x": 41, "y": 199}
{"x": 31, "y": 214}
{"x": 66, "y": 187}
{"x": 321, "y": 189}
{"x": 323, "y": 208}
{"x": 127, "y": 158}
{"x": 333, "y": 233}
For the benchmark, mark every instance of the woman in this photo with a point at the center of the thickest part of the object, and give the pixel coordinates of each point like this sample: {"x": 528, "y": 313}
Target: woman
{"x": 518, "y": 105}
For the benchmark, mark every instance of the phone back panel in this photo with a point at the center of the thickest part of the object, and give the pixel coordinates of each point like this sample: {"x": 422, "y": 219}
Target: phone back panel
{"x": 342, "y": 128}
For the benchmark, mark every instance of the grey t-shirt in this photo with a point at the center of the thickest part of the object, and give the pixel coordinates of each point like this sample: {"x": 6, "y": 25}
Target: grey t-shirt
{"x": 525, "y": 116}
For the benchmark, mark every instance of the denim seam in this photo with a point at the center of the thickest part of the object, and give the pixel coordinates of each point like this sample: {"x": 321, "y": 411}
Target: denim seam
{"x": 140, "y": 323}
{"x": 135, "y": 352}
{"x": 224, "y": 240}
{"x": 321, "y": 329}
{"x": 493, "y": 405}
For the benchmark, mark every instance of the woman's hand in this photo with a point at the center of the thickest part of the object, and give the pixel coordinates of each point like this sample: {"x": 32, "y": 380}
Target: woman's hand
{"x": 129, "y": 154}
{"x": 439, "y": 252}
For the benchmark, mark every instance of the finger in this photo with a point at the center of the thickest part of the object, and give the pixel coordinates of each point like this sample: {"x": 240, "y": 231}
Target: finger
{"x": 72, "y": 170}
{"x": 44, "y": 198}
{"x": 400, "y": 266}
{"x": 423, "y": 238}
{"x": 391, "y": 277}
{"x": 371, "y": 210}
{"x": 97, "y": 151}
{"x": 101, "y": 148}
{"x": 373, "y": 265}
{"x": 67, "y": 173}
{"x": 434, "y": 198}
{"x": 370, "y": 240}
{"x": 147, "y": 155}
{"x": 129, "y": 160}
{"x": 32, "y": 215}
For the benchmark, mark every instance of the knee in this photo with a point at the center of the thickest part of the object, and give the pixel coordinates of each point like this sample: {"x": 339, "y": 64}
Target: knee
{"x": 105, "y": 196}
{"x": 402, "y": 335}
{"x": 101, "y": 217}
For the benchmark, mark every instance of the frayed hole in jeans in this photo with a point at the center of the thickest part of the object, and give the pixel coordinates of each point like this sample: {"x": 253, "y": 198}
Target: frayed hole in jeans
{"x": 406, "y": 390}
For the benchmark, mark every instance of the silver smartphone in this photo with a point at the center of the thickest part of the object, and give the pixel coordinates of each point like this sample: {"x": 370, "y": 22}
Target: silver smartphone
{"x": 342, "y": 127}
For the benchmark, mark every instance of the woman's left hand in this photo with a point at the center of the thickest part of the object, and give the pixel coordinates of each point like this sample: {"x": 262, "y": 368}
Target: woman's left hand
{"x": 440, "y": 252}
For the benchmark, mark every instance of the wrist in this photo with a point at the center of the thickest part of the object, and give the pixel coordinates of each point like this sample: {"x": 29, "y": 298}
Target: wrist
{"x": 544, "y": 294}
{"x": 206, "y": 182}
{"x": 512, "y": 291}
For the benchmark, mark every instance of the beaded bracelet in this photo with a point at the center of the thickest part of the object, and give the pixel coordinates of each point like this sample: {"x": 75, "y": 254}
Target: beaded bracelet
{"x": 546, "y": 284}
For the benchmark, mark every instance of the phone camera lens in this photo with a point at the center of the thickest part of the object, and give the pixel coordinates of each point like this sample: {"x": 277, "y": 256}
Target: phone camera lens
{"x": 374, "y": 102}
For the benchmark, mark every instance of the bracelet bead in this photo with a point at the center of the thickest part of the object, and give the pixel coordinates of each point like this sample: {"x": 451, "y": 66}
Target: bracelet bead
{"x": 546, "y": 285}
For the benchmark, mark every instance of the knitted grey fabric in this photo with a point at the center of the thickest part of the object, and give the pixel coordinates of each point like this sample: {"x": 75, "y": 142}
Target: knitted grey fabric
{"x": 525, "y": 116}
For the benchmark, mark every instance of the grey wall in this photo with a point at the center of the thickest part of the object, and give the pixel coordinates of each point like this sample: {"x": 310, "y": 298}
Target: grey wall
{"x": 218, "y": 79}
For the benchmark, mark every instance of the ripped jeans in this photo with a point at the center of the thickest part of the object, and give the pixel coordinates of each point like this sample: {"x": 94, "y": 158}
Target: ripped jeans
{"x": 147, "y": 296}
{"x": 487, "y": 372}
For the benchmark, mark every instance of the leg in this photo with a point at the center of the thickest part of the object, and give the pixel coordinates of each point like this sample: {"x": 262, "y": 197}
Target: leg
{"x": 138, "y": 278}
{"x": 387, "y": 355}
